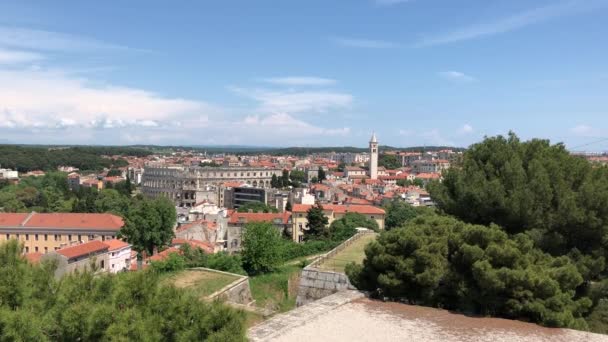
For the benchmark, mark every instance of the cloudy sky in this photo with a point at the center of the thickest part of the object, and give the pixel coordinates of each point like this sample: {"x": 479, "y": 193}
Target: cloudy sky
{"x": 303, "y": 72}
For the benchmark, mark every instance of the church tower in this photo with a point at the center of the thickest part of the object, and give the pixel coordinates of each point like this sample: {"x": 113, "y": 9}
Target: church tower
{"x": 373, "y": 157}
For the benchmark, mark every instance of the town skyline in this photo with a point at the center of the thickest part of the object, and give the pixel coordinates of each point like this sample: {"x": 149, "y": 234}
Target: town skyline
{"x": 419, "y": 74}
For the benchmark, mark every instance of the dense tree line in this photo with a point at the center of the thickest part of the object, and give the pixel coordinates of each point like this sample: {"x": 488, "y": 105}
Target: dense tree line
{"x": 50, "y": 193}
{"x": 559, "y": 200}
{"x": 34, "y": 306}
{"x": 27, "y": 158}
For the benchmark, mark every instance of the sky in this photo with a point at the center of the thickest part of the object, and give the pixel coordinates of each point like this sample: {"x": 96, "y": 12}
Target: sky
{"x": 303, "y": 72}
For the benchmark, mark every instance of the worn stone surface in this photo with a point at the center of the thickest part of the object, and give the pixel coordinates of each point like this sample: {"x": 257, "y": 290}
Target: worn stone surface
{"x": 347, "y": 317}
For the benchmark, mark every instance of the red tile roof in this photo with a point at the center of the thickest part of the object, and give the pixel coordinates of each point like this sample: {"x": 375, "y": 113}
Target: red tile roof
{"x": 33, "y": 258}
{"x": 337, "y": 208}
{"x": 164, "y": 254}
{"x": 357, "y": 201}
{"x": 62, "y": 221}
{"x": 428, "y": 176}
{"x": 83, "y": 249}
{"x": 237, "y": 217}
{"x": 205, "y": 246}
{"x": 115, "y": 244}
{"x": 12, "y": 219}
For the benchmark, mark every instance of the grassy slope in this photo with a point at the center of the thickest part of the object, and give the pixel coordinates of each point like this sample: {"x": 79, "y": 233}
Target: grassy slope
{"x": 272, "y": 290}
{"x": 353, "y": 253}
{"x": 202, "y": 283}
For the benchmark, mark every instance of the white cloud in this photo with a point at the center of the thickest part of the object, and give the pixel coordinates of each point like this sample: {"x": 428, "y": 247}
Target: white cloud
{"x": 456, "y": 76}
{"x": 293, "y": 102}
{"x": 23, "y": 38}
{"x": 39, "y": 98}
{"x": 585, "y": 130}
{"x": 514, "y": 22}
{"x": 17, "y": 57}
{"x": 282, "y": 125}
{"x": 301, "y": 81}
{"x": 364, "y": 43}
{"x": 466, "y": 129}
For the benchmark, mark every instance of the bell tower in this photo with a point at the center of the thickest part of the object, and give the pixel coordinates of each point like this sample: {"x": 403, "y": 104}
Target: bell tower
{"x": 373, "y": 157}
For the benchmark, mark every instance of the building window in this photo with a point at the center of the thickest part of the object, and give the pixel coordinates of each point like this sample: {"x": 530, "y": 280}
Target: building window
{"x": 36, "y": 249}
{"x": 17, "y": 236}
{"x": 102, "y": 264}
{"x": 36, "y": 237}
{"x": 70, "y": 237}
{"x": 91, "y": 237}
{"x": 27, "y": 237}
{"x": 8, "y": 236}
{"x": 56, "y": 248}
{"x": 57, "y": 238}
{"x": 79, "y": 237}
{"x": 27, "y": 249}
{"x": 112, "y": 265}
{"x": 46, "y": 250}
{"x": 46, "y": 237}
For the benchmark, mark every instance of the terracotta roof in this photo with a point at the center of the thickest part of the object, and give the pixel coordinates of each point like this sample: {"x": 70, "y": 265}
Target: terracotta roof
{"x": 83, "y": 249}
{"x": 33, "y": 258}
{"x": 205, "y": 223}
{"x": 164, "y": 254}
{"x": 236, "y": 217}
{"x": 12, "y": 219}
{"x": 337, "y": 208}
{"x": 353, "y": 168}
{"x": 205, "y": 246}
{"x": 115, "y": 244}
{"x": 62, "y": 221}
{"x": 428, "y": 176}
{"x": 358, "y": 201}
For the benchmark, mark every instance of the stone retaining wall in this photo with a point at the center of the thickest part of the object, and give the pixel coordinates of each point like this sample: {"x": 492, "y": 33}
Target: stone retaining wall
{"x": 316, "y": 283}
{"x": 237, "y": 292}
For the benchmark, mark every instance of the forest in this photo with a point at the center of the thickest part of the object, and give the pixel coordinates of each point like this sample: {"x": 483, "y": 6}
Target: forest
{"x": 48, "y": 158}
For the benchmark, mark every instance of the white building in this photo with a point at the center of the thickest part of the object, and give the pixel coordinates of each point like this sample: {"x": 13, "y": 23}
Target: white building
{"x": 119, "y": 255}
{"x": 373, "y": 160}
{"x": 8, "y": 174}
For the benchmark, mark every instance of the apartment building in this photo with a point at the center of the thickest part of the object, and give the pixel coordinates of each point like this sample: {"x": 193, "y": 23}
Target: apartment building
{"x": 44, "y": 233}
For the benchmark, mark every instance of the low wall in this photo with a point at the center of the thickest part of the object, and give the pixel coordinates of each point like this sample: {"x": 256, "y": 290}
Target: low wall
{"x": 316, "y": 283}
{"x": 237, "y": 292}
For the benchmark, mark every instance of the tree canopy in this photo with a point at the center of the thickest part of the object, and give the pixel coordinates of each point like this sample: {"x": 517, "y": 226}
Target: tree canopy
{"x": 317, "y": 222}
{"x": 28, "y": 158}
{"x": 558, "y": 199}
{"x": 149, "y": 224}
{"x": 389, "y": 161}
{"x": 440, "y": 261}
{"x": 261, "y": 247}
{"x": 134, "y": 306}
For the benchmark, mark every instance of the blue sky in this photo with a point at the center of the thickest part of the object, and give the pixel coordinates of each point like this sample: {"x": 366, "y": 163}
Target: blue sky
{"x": 308, "y": 72}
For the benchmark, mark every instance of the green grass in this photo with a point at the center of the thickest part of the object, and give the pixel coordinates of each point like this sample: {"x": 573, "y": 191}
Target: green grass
{"x": 353, "y": 253}
{"x": 272, "y": 291}
{"x": 201, "y": 283}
